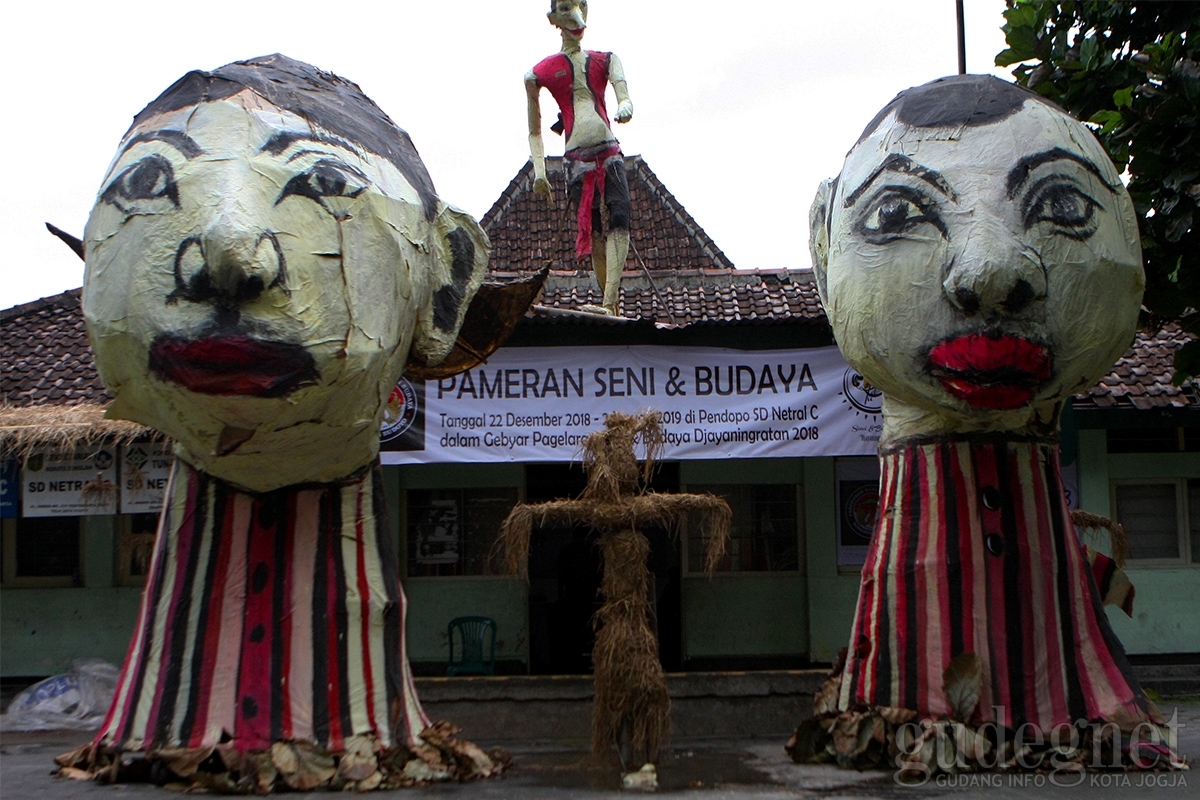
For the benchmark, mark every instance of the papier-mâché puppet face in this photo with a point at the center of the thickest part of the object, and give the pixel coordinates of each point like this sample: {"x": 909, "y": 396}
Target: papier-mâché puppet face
{"x": 264, "y": 252}
{"x": 978, "y": 259}
{"x": 569, "y": 15}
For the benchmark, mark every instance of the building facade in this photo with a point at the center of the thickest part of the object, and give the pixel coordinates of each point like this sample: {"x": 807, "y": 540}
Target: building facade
{"x": 800, "y": 483}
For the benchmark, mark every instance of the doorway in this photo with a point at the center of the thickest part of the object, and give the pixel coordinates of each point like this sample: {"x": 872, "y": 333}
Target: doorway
{"x": 564, "y": 578}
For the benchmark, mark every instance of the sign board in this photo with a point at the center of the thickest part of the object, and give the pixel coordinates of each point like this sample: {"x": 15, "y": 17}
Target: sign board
{"x": 70, "y": 483}
{"x": 539, "y": 403}
{"x": 10, "y": 479}
{"x": 145, "y": 470}
{"x": 857, "y": 509}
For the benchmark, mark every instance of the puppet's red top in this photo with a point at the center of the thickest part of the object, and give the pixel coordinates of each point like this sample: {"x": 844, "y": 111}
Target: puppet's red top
{"x": 557, "y": 74}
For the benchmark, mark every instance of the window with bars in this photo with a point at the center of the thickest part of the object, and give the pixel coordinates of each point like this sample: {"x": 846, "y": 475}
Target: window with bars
{"x": 452, "y": 531}
{"x": 1161, "y": 519}
{"x": 42, "y": 552}
{"x": 765, "y": 534}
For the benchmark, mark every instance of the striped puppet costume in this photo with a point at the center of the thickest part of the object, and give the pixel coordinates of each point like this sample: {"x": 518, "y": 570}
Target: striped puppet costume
{"x": 979, "y": 262}
{"x": 263, "y": 330}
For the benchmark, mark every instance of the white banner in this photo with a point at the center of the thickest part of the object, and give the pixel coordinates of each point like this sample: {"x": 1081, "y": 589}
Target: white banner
{"x": 145, "y": 469}
{"x": 539, "y": 403}
{"x": 70, "y": 484}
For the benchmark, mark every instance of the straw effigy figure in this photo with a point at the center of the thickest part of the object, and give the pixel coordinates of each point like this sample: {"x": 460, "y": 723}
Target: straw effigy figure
{"x": 265, "y": 257}
{"x": 631, "y": 691}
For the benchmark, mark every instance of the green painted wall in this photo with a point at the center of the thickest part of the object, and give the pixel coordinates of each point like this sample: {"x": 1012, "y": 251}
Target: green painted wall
{"x": 1166, "y": 618}
{"x": 1166, "y": 611}
{"x": 806, "y": 612}
{"x": 758, "y": 470}
{"x": 433, "y": 602}
{"x": 832, "y": 595}
{"x": 44, "y": 630}
{"x": 745, "y": 614}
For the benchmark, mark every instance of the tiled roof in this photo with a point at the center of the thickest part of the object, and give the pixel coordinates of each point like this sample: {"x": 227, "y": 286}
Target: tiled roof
{"x": 1143, "y": 377}
{"x": 45, "y": 358}
{"x": 689, "y": 297}
{"x": 527, "y": 231}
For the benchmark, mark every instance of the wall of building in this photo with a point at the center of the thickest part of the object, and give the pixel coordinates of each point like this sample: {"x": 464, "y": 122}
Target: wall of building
{"x": 1165, "y": 616}
{"x": 832, "y": 591}
{"x": 748, "y": 614}
{"x": 763, "y": 615}
{"x": 804, "y": 614}
{"x": 44, "y": 630}
{"x": 433, "y": 602}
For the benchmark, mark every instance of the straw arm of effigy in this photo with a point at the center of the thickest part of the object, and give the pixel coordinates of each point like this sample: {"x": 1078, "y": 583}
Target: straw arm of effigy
{"x": 664, "y": 510}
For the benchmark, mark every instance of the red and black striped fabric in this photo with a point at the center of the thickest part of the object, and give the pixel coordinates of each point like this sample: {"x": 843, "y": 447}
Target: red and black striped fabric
{"x": 974, "y": 552}
{"x": 266, "y": 618}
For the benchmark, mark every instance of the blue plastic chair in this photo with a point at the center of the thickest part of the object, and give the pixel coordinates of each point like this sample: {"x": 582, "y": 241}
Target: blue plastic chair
{"x": 476, "y": 636}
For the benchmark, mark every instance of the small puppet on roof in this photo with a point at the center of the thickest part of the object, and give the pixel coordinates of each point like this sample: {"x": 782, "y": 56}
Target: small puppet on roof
{"x": 594, "y": 165}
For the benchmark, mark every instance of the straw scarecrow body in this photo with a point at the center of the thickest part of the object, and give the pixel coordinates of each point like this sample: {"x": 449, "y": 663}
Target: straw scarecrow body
{"x": 632, "y": 707}
{"x": 264, "y": 258}
{"x": 979, "y": 262}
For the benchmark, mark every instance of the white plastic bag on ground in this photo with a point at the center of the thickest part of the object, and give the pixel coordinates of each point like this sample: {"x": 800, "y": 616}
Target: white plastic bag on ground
{"x": 77, "y": 700}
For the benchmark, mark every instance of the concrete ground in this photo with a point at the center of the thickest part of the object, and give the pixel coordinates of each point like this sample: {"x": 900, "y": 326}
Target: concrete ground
{"x": 707, "y": 769}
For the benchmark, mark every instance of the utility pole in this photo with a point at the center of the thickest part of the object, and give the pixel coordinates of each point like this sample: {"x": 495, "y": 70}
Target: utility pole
{"x": 962, "y": 40}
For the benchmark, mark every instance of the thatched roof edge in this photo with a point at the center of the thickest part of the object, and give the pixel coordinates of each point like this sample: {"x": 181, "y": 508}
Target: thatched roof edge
{"x": 24, "y": 429}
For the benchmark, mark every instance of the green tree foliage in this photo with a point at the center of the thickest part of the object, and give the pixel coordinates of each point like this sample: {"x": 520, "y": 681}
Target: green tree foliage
{"x": 1130, "y": 69}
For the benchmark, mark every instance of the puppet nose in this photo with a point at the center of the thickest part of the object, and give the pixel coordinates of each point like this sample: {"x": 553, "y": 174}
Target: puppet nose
{"x": 995, "y": 278}
{"x": 230, "y": 265}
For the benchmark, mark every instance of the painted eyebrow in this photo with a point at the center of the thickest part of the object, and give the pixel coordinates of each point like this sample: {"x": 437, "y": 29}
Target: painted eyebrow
{"x": 1021, "y": 172}
{"x": 177, "y": 139}
{"x": 905, "y": 166}
{"x": 282, "y": 141}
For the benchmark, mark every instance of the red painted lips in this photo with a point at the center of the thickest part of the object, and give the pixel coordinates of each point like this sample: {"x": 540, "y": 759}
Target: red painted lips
{"x": 998, "y": 372}
{"x": 233, "y": 365}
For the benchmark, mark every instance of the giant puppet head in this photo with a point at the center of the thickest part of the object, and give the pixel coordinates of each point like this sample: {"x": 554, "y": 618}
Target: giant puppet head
{"x": 978, "y": 258}
{"x": 265, "y": 253}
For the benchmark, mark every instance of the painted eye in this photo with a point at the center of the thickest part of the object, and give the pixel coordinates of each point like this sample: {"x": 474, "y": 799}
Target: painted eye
{"x": 1065, "y": 206}
{"x": 323, "y": 180}
{"x": 897, "y": 211}
{"x": 143, "y": 186}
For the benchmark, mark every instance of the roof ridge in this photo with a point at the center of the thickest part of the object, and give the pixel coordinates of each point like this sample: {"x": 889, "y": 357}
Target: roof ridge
{"x": 41, "y": 303}
{"x": 681, "y": 214}
{"x": 507, "y": 196}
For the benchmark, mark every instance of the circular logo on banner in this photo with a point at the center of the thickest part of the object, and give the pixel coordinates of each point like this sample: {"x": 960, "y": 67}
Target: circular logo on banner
{"x": 860, "y": 394}
{"x": 862, "y": 505}
{"x": 104, "y": 460}
{"x": 400, "y": 411}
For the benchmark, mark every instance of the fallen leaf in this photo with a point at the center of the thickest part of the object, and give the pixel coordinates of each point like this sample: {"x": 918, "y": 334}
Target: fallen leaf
{"x": 826, "y": 698}
{"x": 183, "y": 761}
{"x": 807, "y": 744}
{"x": 962, "y": 683}
{"x": 359, "y": 761}
{"x": 75, "y": 774}
{"x": 301, "y": 765}
{"x": 896, "y": 716}
{"x": 76, "y": 758}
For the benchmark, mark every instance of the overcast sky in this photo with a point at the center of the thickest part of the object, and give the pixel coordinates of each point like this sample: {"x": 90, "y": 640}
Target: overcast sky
{"x": 740, "y": 108}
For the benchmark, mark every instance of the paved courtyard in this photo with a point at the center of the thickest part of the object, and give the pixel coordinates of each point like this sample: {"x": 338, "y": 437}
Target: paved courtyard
{"x": 704, "y": 769}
